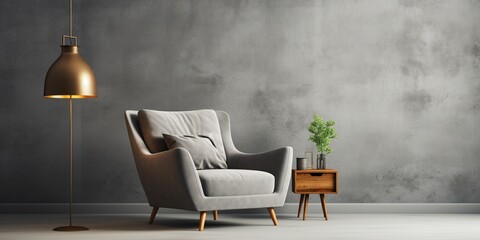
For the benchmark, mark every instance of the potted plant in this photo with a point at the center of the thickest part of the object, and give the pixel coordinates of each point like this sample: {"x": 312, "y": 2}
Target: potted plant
{"x": 321, "y": 134}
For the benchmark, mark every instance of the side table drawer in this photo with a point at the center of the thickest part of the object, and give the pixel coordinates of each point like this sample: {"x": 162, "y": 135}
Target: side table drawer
{"x": 315, "y": 182}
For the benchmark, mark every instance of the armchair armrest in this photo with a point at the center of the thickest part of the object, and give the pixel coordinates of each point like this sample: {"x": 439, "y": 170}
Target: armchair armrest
{"x": 169, "y": 178}
{"x": 278, "y": 162}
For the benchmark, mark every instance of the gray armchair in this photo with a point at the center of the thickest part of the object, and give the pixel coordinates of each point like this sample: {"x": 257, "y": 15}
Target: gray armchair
{"x": 171, "y": 180}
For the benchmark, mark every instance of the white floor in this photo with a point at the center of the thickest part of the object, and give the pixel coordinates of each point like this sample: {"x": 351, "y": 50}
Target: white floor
{"x": 246, "y": 227}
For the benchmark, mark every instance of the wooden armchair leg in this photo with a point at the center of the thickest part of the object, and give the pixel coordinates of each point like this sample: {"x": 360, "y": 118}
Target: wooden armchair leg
{"x": 273, "y": 216}
{"x": 203, "y": 216}
{"x": 215, "y": 215}
{"x": 152, "y": 215}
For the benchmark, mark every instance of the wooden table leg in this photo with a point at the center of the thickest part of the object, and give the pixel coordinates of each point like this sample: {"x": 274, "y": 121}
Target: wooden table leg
{"x": 152, "y": 215}
{"x": 305, "y": 206}
{"x": 300, "y": 204}
{"x": 324, "y": 206}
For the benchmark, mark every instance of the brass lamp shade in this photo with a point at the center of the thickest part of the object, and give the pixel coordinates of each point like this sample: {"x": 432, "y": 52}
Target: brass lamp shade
{"x": 70, "y": 76}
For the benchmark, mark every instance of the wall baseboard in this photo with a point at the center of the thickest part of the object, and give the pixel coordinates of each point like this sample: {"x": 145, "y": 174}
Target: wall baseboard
{"x": 289, "y": 208}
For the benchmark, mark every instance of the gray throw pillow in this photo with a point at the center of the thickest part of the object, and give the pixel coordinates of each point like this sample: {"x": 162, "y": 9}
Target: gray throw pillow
{"x": 202, "y": 149}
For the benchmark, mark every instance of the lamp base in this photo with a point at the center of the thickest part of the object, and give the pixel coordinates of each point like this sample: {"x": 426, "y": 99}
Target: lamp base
{"x": 70, "y": 229}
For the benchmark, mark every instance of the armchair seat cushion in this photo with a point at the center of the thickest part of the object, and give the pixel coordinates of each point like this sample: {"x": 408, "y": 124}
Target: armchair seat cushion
{"x": 235, "y": 182}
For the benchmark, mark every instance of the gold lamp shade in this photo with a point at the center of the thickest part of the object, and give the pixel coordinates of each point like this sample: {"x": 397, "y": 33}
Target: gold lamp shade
{"x": 70, "y": 76}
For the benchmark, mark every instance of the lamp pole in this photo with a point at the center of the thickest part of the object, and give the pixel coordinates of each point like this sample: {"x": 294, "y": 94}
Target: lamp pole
{"x": 71, "y": 157}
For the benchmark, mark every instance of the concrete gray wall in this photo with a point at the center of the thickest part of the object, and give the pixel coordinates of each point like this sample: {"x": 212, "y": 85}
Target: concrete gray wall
{"x": 400, "y": 78}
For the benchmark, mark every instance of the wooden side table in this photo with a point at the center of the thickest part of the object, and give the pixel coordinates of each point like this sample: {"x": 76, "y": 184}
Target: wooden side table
{"x": 314, "y": 181}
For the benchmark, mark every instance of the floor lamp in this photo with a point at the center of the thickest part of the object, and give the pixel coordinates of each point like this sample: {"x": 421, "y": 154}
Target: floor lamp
{"x": 70, "y": 77}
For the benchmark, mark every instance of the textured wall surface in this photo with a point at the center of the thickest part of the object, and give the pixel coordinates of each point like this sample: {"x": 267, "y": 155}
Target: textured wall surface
{"x": 400, "y": 78}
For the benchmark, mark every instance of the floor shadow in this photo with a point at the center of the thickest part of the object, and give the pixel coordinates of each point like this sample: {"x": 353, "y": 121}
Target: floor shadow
{"x": 164, "y": 224}
{"x": 263, "y": 216}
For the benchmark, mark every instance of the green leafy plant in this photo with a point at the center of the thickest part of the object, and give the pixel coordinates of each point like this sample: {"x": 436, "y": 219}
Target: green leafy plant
{"x": 322, "y": 133}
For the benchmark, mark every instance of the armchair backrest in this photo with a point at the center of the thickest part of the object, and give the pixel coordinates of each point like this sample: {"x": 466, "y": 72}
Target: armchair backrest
{"x": 134, "y": 133}
{"x": 187, "y": 122}
{"x": 153, "y": 124}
